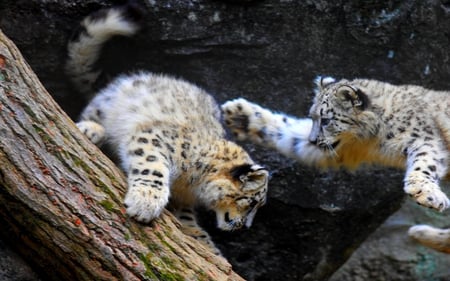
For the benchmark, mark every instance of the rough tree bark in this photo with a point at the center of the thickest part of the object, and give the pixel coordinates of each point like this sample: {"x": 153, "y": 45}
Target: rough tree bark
{"x": 61, "y": 198}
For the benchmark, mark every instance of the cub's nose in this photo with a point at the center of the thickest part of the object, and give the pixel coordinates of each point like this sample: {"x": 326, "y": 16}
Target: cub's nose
{"x": 312, "y": 140}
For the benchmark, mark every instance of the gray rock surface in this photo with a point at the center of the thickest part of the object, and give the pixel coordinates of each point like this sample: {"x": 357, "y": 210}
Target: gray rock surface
{"x": 269, "y": 52}
{"x": 13, "y": 267}
{"x": 389, "y": 254}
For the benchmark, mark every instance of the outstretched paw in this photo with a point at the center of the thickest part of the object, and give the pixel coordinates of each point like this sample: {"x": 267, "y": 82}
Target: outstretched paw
{"x": 435, "y": 238}
{"x": 245, "y": 119}
{"x": 428, "y": 194}
{"x": 92, "y": 130}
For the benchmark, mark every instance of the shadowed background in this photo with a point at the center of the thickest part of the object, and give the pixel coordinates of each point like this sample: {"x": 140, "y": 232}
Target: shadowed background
{"x": 269, "y": 52}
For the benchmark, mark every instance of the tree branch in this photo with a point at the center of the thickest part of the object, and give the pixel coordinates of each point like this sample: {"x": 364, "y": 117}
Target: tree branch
{"x": 62, "y": 198}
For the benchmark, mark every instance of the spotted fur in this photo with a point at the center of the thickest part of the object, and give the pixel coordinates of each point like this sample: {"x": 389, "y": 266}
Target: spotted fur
{"x": 361, "y": 121}
{"x": 167, "y": 135}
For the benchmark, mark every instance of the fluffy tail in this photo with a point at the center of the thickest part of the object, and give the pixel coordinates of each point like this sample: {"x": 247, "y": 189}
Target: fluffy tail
{"x": 85, "y": 46}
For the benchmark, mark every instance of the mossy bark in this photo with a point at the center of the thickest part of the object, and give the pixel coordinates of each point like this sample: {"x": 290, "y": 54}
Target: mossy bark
{"x": 61, "y": 198}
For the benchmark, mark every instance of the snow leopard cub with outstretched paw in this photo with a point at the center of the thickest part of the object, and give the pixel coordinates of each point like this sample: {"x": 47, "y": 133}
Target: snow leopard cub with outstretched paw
{"x": 363, "y": 121}
{"x": 168, "y": 137}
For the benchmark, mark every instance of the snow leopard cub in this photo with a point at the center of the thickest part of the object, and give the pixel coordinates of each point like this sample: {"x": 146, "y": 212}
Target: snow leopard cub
{"x": 167, "y": 134}
{"x": 363, "y": 121}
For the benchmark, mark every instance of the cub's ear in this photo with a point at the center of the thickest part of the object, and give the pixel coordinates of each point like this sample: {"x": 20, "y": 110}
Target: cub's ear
{"x": 253, "y": 177}
{"x": 323, "y": 81}
{"x": 350, "y": 96}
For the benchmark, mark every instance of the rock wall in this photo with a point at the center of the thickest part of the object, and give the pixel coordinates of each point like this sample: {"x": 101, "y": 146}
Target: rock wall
{"x": 269, "y": 51}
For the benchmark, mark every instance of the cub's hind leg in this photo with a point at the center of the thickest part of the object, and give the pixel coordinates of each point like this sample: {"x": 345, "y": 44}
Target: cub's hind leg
{"x": 92, "y": 130}
{"x": 147, "y": 165}
{"x": 92, "y": 118}
{"x": 438, "y": 239}
{"x": 189, "y": 226}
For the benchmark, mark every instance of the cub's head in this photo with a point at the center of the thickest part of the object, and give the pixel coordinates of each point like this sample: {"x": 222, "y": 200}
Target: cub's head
{"x": 341, "y": 114}
{"x": 235, "y": 193}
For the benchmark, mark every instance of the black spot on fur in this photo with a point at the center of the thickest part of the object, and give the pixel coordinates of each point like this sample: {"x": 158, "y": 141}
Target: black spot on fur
{"x": 151, "y": 158}
{"x": 156, "y": 142}
{"x": 155, "y": 186}
{"x": 139, "y": 152}
{"x": 135, "y": 171}
{"x": 432, "y": 168}
{"x": 170, "y": 148}
{"x": 186, "y": 218}
{"x": 145, "y": 172}
{"x": 99, "y": 113}
{"x": 157, "y": 174}
{"x": 142, "y": 140}
{"x": 421, "y": 154}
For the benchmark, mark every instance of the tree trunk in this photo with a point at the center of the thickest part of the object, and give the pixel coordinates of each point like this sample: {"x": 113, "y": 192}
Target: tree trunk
{"x": 61, "y": 198}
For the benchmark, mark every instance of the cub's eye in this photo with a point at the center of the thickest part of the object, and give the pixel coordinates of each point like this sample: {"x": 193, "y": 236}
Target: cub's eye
{"x": 325, "y": 121}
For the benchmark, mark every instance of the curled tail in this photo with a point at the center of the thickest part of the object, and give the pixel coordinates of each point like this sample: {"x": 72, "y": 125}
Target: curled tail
{"x": 85, "y": 46}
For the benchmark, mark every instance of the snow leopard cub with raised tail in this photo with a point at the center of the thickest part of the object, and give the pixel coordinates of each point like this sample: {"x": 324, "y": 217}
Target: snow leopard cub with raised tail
{"x": 168, "y": 137}
{"x": 363, "y": 121}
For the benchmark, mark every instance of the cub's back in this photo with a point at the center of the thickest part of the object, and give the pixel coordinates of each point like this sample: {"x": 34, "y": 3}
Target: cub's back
{"x": 144, "y": 98}
{"x": 415, "y": 105}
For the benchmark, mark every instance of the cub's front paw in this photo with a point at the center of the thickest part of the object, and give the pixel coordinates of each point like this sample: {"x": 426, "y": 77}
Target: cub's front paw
{"x": 428, "y": 194}
{"x": 245, "y": 119}
{"x": 144, "y": 206}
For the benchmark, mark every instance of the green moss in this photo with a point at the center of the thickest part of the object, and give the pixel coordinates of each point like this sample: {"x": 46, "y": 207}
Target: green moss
{"x": 148, "y": 268}
{"x": 164, "y": 242}
{"x": 103, "y": 187}
{"x": 108, "y": 205}
{"x": 160, "y": 269}
{"x": 169, "y": 276}
{"x": 44, "y": 136}
{"x": 80, "y": 163}
{"x": 29, "y": 111}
